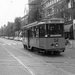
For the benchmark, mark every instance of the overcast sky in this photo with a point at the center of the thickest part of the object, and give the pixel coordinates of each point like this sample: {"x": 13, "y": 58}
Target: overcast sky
{"x": 9, "y": 9}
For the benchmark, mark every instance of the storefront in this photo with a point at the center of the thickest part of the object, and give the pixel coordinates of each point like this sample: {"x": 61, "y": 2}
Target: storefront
{"x": 68, "y": 29}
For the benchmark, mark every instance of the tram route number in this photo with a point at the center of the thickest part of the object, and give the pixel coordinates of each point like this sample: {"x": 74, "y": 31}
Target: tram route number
{"x": 56, "y": 39}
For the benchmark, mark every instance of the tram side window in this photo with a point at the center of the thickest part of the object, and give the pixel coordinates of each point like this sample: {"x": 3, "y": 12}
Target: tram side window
{"x": 24, "y": 33}
{"x": 32, "y": 32}
{"x": 42, "y": 31}
{"x": 36, "y": 31}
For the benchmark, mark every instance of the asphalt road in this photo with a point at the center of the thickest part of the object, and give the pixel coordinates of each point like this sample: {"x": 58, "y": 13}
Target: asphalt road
{"x": 15, "y": 60}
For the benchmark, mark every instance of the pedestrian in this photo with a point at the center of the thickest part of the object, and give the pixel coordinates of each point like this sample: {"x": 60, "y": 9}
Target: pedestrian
{"x": 67, "y": 41}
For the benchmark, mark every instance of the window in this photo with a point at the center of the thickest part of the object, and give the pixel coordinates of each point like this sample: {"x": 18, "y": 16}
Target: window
{"x": 54, "y": 30}
{"x": 69, "y": 3}
{"x": 42, "y": 30}
{"x": 50, "y": 11}
{"x": 32, "y": 32}
{"x": 37, "y": 31}
{"x": 24, "y": 33}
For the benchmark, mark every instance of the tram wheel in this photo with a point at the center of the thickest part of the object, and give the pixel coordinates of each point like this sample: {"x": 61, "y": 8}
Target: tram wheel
{"x": 25, "y": 47}
{"x": 32, "y": 49}
{"x": 42, "y": 51}
{"x": 36, "y": 50}
{"x": 48, "y": 52}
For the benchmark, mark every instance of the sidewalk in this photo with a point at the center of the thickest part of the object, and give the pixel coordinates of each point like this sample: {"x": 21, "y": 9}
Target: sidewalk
{"x": 71, "y": 45}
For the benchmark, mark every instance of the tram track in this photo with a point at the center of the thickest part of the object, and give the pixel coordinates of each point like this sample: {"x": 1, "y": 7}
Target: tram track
{"x": 48, "y": 63}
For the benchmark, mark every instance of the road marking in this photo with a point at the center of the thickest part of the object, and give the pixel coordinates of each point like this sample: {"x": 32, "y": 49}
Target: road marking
{"x": 32, "y": 73}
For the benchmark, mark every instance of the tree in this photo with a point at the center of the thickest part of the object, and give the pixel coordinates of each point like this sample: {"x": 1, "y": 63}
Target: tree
{"x": 9, "y": 29}
{"x": 17, "y": 24}
{"x": 35, "y": 13}
{"x": 1, "y": 31}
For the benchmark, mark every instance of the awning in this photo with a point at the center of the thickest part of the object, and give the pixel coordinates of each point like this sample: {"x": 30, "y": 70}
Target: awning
{"x": 68, "y": 28}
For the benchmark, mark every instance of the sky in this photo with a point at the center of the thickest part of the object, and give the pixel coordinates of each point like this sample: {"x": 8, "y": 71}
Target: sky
{"x": 10, "y": 9}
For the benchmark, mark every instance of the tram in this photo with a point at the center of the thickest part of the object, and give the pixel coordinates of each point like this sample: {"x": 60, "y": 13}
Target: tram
{"x": 45, "y": 36}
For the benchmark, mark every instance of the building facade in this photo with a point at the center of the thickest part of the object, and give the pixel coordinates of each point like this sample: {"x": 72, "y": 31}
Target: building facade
{"x": 24, "y": 20}
{"x": 61, "y": 9}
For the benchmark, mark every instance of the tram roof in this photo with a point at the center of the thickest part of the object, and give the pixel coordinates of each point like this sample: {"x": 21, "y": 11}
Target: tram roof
{"x": 57, "y": 20}
{"x": 34, "y": 24}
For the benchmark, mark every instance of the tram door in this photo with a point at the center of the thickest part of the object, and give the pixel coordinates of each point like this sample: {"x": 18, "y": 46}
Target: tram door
{"x": 28, "y": 38}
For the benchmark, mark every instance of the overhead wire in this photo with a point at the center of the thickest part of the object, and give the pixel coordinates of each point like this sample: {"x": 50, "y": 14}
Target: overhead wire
{"x": 7, "y": 11}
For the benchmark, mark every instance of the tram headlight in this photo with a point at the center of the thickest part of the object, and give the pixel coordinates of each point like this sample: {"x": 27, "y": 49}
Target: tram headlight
{"x": 56, "y": 44}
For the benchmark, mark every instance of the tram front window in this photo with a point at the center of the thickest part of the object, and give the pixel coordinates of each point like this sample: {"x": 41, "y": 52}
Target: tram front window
{"x": 54, "y": 30}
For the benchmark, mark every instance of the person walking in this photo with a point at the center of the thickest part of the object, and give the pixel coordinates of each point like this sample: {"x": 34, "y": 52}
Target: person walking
{"x": 67, "y": 41}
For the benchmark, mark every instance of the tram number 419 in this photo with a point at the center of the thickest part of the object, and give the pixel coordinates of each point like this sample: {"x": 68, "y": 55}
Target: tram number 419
{"x": 56, "y": 40}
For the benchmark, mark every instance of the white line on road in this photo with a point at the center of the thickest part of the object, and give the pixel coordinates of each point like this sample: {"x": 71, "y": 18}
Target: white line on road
{"x": 19, "y": 61}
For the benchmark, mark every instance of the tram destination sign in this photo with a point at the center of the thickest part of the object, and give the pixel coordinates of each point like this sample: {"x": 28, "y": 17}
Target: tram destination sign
{"x": 55, "y": 21}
